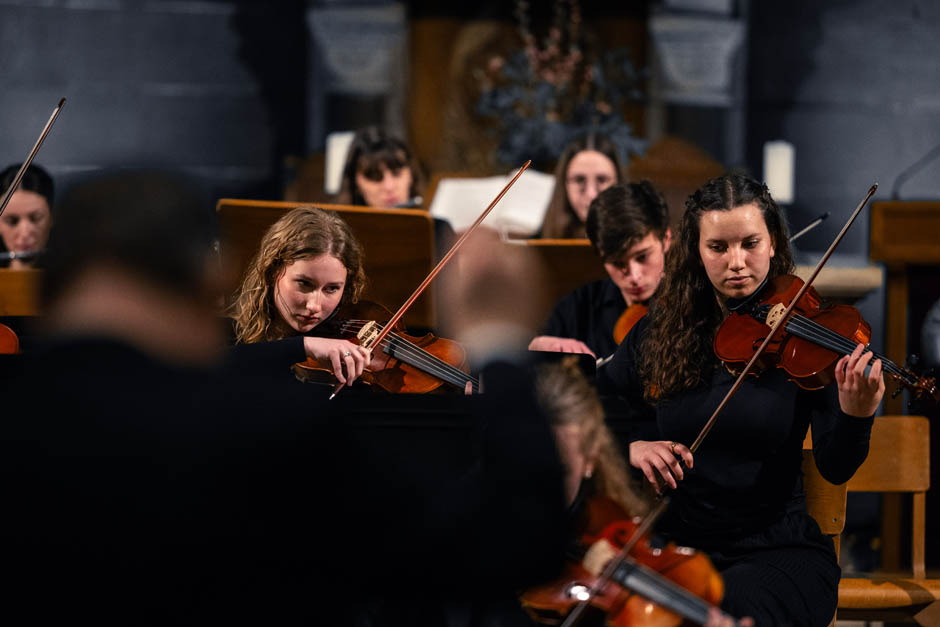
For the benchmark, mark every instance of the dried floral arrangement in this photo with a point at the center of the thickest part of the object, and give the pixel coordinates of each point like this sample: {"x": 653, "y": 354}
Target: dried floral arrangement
{"x": 546, "y": 94}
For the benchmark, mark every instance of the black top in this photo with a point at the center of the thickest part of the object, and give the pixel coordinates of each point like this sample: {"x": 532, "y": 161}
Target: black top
{"x": 146, "y": 493}
{"x": 589, "y": 314}
{"x": 747, "y": 471}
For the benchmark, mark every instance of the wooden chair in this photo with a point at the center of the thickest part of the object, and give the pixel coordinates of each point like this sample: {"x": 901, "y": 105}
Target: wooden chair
{"x": 824, "y": 501}
{"x": 898, "y": 462}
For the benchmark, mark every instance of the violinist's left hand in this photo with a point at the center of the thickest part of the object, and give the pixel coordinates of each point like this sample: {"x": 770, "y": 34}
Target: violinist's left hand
{"x": 859, "y": 395}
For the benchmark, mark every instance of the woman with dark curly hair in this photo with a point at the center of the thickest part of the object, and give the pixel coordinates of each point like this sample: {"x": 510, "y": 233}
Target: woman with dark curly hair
{"x": 740, "y": 497}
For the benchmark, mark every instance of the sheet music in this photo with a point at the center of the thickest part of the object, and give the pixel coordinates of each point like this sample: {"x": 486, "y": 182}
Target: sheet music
{"x": 520, "y": 212}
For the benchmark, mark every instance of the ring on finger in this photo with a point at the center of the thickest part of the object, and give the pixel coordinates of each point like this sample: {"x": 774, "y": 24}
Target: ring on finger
{"x": 347, "y": 353}
{"x": 672, "y": 447}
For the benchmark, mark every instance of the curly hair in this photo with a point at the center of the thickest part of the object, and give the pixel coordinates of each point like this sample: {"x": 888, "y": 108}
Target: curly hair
{"x": 676, "y": 353}
{"x": 560, "y": 220}
{"x": 568, "y": 398}
{"x": 302, "y": 233}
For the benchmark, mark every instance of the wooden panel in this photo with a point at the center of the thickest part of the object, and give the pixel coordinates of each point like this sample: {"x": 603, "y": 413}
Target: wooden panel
{"x": 19, "y": 292}
{"x": 398, "y": 246}
{"x": 898, "y": 457}
{"x": 896, "y": 327}
{"x": 567, "y": 264}
{"x": 905, "y": 232}
{"x": 845, "y": 285}
{"x": 887, "y": 593}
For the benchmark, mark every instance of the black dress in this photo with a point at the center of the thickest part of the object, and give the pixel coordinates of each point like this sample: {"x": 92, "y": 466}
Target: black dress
{"x": 743, "y": 501}
{"x": 589, "y": 314}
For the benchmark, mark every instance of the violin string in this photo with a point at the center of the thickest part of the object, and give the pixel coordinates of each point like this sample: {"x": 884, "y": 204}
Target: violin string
{"x": 419, "y": 358}
{"x": 813, "y": 331}
{"x": 839, "y": 344}
{"x": 428, "y": 362}
{"x": 642, "y": 579}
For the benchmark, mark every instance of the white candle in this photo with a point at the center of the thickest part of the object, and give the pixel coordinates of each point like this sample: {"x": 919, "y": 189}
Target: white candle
{"x": 778, "y": 170}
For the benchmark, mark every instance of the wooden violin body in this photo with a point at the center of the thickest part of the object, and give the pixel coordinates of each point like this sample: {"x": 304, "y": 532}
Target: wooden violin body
{"x": 809, "y": 344}
{"x": 630, "y": 316}
{"x": 654, "y": 586}
{"x": 9, "y": 342}
{"x": 403, "y": 364}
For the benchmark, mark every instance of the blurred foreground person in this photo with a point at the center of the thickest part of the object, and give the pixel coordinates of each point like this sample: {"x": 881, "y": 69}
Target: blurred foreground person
{"x": 150, "y": 479}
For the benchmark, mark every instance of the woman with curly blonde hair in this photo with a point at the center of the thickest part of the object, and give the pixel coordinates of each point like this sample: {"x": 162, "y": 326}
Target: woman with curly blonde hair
{"x": 308, "y": 264}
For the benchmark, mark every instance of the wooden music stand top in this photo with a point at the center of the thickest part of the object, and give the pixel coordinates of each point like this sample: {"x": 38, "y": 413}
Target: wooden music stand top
{"x": 19, "y": 292}
{"x": 905, "y": 232}
{"x": 398, "y": 246}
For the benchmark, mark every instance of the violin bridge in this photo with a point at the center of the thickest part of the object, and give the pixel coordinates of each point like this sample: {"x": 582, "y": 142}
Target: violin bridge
{"x": 775, "y": 313}
{"x": 368, "y": 333}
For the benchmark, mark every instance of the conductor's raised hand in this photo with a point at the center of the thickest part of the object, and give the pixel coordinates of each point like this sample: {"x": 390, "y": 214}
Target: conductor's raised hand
{"x": 348, "y": 360}
{"x": 660, "y": 461}
{"x": 859, "y": 392}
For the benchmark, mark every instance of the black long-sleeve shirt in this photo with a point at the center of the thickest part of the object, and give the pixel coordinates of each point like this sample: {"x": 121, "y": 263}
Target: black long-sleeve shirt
{"x": 589, "y": 314}
{"x": 746, "y": 473}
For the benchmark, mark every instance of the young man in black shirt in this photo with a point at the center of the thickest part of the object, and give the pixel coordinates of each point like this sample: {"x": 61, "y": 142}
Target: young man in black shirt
{"x": 628, "y": 225}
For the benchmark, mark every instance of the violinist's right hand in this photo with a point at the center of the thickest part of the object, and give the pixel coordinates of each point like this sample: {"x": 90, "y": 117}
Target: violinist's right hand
{"x": 559, "y": 345}
{"x": 659, "y": 461}
{"x": 717, "y": 619}
{"x": 343, "y": 355}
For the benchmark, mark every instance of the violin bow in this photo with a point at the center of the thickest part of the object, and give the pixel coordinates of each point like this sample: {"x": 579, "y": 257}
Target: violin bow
{"x": 809, "y": 227}
{"x": 437, "y": 269}
{"x": 663, "y": 502}
{"x": 32, "y": 153}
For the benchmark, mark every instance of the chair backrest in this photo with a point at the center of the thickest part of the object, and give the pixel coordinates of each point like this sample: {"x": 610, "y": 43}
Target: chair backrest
{"x": 825, "y": 501}
{"x": 899, "y": 461}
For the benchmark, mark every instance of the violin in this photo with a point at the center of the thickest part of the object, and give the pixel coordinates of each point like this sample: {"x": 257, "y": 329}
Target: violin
{"x": 405, "y": 364}
{"x": 653, "y": 585}
{"x": 375, "y": 334}
{"x": 810, "y": 342}
{"x": 630, "y": 316}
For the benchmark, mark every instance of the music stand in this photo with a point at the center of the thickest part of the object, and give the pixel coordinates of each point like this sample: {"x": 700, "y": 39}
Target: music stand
{"x": 398, "y": 246}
